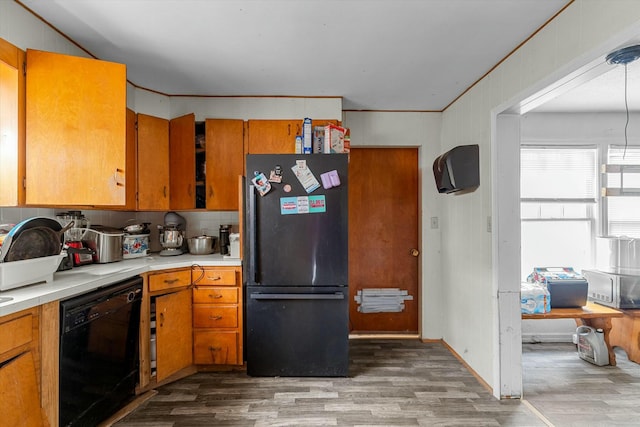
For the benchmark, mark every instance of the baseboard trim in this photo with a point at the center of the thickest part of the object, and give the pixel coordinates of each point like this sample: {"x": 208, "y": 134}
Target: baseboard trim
{"x": 466, "y": 365}
{"x": 383, "y": 336}
{"x": 546, "y": 337}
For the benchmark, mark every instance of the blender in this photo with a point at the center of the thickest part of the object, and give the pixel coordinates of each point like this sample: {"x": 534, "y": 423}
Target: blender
{"x": 172, "y": 234}
{"x": 77, "y": 253}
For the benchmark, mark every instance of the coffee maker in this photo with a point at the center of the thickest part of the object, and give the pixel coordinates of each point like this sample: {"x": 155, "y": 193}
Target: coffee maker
{"x": 172, "y": 235}
{"x": 77, "y": 253}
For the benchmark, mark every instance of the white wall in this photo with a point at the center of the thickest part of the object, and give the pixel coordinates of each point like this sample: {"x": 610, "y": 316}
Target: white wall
{"x": 24, "y": 30}
{"x": 578, "y": 35}
{"x": 371, "y": 129}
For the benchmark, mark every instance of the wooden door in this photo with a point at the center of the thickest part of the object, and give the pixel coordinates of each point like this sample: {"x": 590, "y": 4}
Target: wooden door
{"x": 76, "y": 130}
{"x": 12, "y": 131}
{"x": 131, "y": 187}
{"x": 174, "y": 328}
{"x": 276, "y": 136}
{"x": 273, "y": 136}
{"x": 153, "y": 163}
{"x": 19, "y": 393}
{"x": 383, "y": 234}
{"x": 225, "y": 162}
{"x": 182, "y": 162}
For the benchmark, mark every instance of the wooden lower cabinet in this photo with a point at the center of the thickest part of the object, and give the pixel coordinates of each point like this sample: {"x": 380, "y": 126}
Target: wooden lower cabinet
{"x": 21, "y": 371}
{"x": 166, "y": 334}
{"x": 216, "y": 347}
{"x": 217, "y": 316}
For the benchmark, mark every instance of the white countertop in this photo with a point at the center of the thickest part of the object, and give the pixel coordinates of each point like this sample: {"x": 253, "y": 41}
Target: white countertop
{"x": 86, "y": 278}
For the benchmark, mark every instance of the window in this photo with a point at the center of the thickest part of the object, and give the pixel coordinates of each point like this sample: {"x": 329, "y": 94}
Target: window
{"x": 558, "y": 205}
{"x": 622, "y": 213}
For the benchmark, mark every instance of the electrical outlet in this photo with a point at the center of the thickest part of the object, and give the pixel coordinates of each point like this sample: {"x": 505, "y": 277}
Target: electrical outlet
{"x": 434, "y": 222}
{"x": 488, "y": 224}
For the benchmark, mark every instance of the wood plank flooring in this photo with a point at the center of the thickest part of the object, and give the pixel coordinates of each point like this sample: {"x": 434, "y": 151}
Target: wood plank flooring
{"x": 404, "y": 383}
{"x": 570, "y": 392}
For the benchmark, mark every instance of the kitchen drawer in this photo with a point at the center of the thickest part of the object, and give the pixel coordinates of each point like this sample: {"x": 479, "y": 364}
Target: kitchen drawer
{"x": 169, "y": 280}
{"x": 216, "y": 276}
{"x": 216, "y": 348}
{"x": 16, "y": 332}
{"x": 211, "y": 295}
{"x": 214, "y": 316}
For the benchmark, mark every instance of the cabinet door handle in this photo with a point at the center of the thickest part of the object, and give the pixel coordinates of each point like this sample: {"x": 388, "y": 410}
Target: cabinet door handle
{"x": 210, "y": 191}
{"x": 164, "y": 191}
{"x": 214, "y": 277}
{"x": 215, "y": 317}
{"x": 115, "y": 177}
{"x": 215, "y": 296}
{"x": 171, "y": 281}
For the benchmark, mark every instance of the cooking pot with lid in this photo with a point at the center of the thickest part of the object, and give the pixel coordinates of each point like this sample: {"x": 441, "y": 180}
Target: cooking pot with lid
{"x": 141, "y": 228}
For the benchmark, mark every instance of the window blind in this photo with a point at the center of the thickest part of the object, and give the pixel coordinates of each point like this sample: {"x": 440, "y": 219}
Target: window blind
{"x": 558, "y": 173}
{"x": 623, "y": 213}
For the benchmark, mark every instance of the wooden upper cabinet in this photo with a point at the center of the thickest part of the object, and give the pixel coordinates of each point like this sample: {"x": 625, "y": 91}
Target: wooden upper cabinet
{"x": 75, "y": 130}
{"x": 182, "y": 164}
{"x": 276, "y": 136}
{"x": 131, "y": 187}
{"x": 224, "y": 162}
{"x": 273, "y": 136}
{"x": 153, "y": 163}
{"x": 12, "y": 132}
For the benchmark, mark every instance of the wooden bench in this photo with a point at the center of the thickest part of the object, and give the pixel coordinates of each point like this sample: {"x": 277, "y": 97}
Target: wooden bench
{"x": 592, "y": 314}
{"x": 626, "y": 333}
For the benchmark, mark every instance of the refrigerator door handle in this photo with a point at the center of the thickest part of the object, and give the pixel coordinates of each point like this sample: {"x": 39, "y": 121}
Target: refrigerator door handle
{"x": 252, "y": 225}
{"x": 335, "y": 296}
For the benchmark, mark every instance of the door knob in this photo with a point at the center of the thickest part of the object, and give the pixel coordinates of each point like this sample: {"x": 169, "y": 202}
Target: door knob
{"x": 414, "y": 252}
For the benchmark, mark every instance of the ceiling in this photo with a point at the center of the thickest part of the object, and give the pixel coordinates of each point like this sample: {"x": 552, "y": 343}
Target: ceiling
{"x": 602, "y": 89}
{"x": 404, "y": 55}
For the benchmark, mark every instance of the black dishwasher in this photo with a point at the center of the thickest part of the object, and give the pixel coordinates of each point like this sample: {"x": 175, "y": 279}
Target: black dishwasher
{"x": 99, "y": 360}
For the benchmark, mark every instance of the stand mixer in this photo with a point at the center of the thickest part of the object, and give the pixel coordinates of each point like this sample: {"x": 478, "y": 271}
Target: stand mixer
{"x": 172, "y": 234}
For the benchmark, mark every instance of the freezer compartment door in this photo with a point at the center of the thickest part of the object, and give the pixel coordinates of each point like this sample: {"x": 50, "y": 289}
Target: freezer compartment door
{"x": 301, "y": 332}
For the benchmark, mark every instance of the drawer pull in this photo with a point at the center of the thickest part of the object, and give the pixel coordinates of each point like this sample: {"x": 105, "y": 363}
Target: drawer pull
{"x": 171, "y": 281}
{"x": 211, "y": 348}
{"x": 215, "y": 296}
{"x": 214, "y": 278}
{"x": 215, "y": 317}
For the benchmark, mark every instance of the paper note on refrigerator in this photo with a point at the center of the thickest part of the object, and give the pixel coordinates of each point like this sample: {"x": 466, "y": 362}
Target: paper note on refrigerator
{"x": 305, "y": 176}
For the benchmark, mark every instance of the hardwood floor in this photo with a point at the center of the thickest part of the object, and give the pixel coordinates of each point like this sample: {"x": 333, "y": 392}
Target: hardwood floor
{"x": 404, "y": 383}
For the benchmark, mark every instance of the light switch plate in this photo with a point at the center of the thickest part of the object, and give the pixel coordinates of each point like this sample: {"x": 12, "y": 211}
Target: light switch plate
{"x": 434, "y": 222}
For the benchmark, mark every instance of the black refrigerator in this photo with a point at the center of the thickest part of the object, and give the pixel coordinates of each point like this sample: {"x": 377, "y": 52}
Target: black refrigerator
{"x": 296, "y": 266}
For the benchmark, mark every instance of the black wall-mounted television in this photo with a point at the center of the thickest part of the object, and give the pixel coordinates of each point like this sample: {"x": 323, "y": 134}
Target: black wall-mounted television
{"x": 458, "y": 170}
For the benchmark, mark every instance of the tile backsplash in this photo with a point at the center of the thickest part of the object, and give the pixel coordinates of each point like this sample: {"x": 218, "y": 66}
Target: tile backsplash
{"x": 205, "y": 222}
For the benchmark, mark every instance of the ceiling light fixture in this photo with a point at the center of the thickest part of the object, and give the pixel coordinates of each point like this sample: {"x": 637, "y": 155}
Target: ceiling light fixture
{"x": 624, "y": 56}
